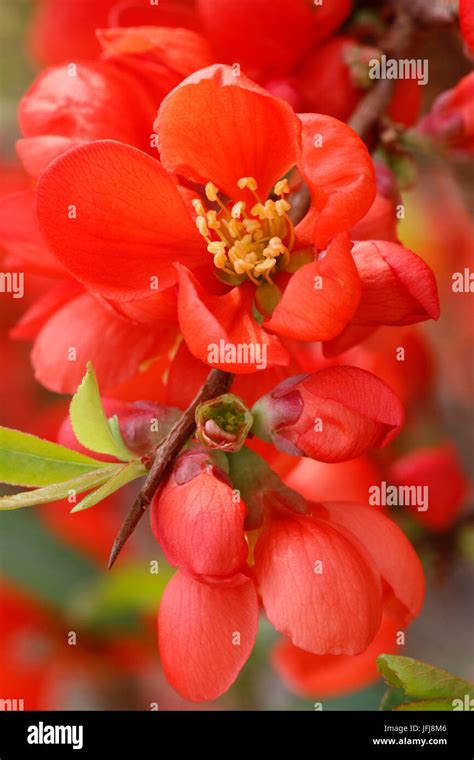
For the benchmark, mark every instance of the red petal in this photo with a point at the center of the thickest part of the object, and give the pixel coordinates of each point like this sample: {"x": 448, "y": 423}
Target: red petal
{"x": 340, "y": 175}
{"x": 36, "y": 153}
{"x": 200, "y": 525}
{"x": 181, "y": 50}
{"x": 319, "y": 481}
{"x": 199, "y": 627}
{"x": 220, "y": 127}
{"x": 225, "y": 322}
{"x": 269, "y": 36}
{"x": 98, "y": 102}
{"x": 34, "y": 318}
{"x": 390, "y": 550}
{"x": 439, "y": 470}
{"x": 328, "y": 676}
{"x": 335, "y": 611}
{"x": 314, "y": 309}
{"x": 131, "y": 220}
{"x": 398, "y": 288}
{"x": 466, "y": 20}
{"x": 20, "y": 235}
{"x": 115, "y": 346}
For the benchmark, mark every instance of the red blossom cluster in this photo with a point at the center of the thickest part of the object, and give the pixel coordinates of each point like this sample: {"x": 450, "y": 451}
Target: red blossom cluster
{"x": 196, "y": 200}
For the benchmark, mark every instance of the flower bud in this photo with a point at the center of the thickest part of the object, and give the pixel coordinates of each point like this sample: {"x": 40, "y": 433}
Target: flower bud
{"x": 198, "y": 519}
{"x": 450, "y": 121}
{"x": 223, "y": 423}
{"x": 333, "y": 415}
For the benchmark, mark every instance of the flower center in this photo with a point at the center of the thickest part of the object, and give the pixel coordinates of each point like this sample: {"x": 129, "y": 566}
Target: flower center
{"x": 255, "y": 242}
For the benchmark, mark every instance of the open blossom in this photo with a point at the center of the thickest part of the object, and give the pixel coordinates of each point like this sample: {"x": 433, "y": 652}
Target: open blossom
{"x": 325, "y": 572}
{"x": 248, "y": 243}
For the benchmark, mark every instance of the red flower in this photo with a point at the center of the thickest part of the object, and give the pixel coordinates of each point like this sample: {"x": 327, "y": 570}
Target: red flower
{"x": 439, "y": 471}
{"x": 197, "y": 520}
{"x": 320, "y": 575}
{"x": 65, "y": 31}
{"x": 332, "y": 415}
{"x": 146, "y": 226}
{"x": 451, "y": 119}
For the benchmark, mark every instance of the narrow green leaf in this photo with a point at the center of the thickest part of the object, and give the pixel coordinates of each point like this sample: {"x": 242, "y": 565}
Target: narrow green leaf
{"x": 57, "y": 491}
{"x": 125, "y": 475}
{"x": 421, "y": 680}
{"x": 26, "y": 460}
{"x": 89, "y": 421}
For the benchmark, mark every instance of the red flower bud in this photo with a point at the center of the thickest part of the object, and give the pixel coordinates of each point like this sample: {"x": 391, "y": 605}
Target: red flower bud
{"x": 198, "y": 519}
{"x": 223, "y": 423}
{"x": 451, "y": 119}
{"x": 438, "y": 470}
{"x": 333, "y": 415}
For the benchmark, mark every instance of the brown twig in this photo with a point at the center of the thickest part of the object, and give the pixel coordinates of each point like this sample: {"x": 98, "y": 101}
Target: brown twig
{"x": 372, "y": 107}
{"x": 217, "y": 382}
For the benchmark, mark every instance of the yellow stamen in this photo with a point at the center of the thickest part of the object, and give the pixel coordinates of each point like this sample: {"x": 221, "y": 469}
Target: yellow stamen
{"x": 282, "y": 187}
{"x": 198, "y": 206}
{"x": 252, "y": 243}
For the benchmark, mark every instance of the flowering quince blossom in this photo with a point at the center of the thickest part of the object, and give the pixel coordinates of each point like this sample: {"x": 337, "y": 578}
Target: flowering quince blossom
{"x": 324, "y": 573}
{"x": 184, "y": 216}
{"x": 250, "y": 243}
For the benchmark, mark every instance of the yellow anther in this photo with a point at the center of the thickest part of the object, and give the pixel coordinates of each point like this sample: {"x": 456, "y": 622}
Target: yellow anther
{"x": 251, "y": 225}
{"x": 264, "y": 266}
{"x": 198, "y": 206}
{"x": 211, "y": 191}
{"x": 238, "y": 209}
{"x": 234, "y": 227}
{"x": 201, "y": 224}
{"x": 212, "y": 220}
{"x": 282, "y": 207}
{"x": 259, "y": 210}
{"x": 220, "y": 260}
{"x": 249, "y": 182}
{"x": 270, "y": 209}
{"x": 282, "y": 187}
{"x": 258, "y": 235}
{"x": 216, "y": 247}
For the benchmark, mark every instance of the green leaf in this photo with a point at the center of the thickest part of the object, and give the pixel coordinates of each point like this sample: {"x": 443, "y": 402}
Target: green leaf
{"x": 421, "y": 680}
{"x": 57, "y": 491}
{"x": 89, "y": 421}
{"x": 114, "y": 425}
{"x": 124, "y": 475}
{"x": 26, "y": 460}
